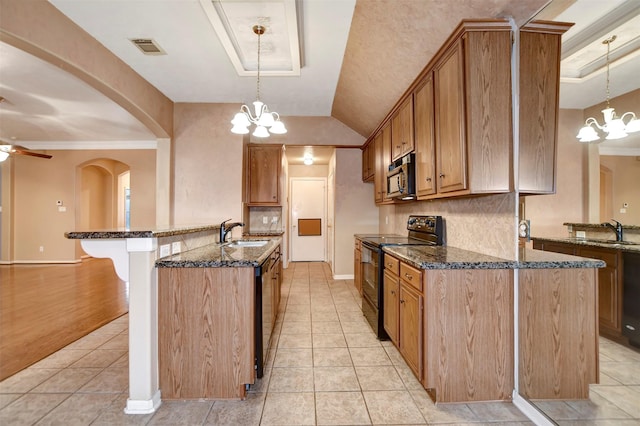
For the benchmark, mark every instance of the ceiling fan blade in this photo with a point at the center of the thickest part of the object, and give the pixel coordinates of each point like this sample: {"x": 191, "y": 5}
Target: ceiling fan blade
{"x": 21, "y": 150}
{"x": 31, "y": 153}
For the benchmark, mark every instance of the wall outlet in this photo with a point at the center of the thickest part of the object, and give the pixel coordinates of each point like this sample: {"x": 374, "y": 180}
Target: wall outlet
{"x": 41, "y": 249}
{"x": 623, "y": 210}
{"x": 165, "y": 250}
{"x": 274, "y": 219}
{"x": 176, "y": 247}
{"x": 62, "y": 209}
{"x": 581, "y": 234}
{"x": 265, "y": 220}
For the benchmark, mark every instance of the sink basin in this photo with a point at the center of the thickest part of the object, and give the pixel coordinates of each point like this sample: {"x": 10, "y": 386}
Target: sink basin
{"x": 248, "y": 243}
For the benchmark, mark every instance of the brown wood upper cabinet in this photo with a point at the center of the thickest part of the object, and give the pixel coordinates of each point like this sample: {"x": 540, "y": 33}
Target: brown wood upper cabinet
{"x": 383, "y": 159}
{"x": 402, "y": 129}
{"x": 539, "y": 103}
{"x": 461, "y": 106}
{"x": 263, "y": 180}
{"x": 425, "y": 137}
{"x": 368, "y": 161}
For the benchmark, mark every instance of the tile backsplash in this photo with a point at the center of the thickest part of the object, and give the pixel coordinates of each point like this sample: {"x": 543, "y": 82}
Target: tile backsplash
{"x": 484, "y": 224}
{"x": 259, "y": 215}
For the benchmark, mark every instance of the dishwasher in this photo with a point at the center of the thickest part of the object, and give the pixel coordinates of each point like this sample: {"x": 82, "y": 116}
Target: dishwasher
{"x": 631, "y": 298}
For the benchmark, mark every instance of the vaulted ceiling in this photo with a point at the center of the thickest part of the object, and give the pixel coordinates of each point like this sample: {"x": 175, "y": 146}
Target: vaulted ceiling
{"x": 357, "y": 58}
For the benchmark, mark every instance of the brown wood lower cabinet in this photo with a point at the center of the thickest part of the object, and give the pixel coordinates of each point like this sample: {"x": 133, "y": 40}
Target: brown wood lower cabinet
{"x": 455, "y": 330}
{"x": 357, "y": 272}
{"x": 468, "y": 321}
{"x": 558, "y": 333}
{"x": 206, "y": 332}
{"x": 610, "y": 283}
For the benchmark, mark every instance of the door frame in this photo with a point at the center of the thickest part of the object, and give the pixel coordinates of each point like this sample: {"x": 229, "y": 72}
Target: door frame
{"x": 324, "y": 214}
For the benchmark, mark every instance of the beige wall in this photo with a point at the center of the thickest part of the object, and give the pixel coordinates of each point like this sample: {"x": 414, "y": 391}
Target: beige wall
{"x": 626, "y": 187}
{"x": 355, "y": 209}
{"x": 315, "y": 170}
{"x": 207, "y": 165}
{"x": 37, "y": 184}
{"x": 547, "y": 213}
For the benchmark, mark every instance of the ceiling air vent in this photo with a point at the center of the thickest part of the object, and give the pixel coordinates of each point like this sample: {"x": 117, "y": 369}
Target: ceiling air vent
{"x": 148, "y": 46}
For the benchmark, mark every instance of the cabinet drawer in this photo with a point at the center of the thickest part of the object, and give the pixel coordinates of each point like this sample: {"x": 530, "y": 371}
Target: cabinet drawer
{"x": 391, "y": 264}
{"x": 411, "y": 275}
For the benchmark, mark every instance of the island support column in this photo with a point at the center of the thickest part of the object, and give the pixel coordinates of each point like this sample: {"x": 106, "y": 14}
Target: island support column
{"x": 144, "y": 388}
{"x": 134, "y": 262}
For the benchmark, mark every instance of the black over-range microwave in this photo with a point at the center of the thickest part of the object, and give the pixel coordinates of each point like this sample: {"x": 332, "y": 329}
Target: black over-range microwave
{"x": 401, "y": 178}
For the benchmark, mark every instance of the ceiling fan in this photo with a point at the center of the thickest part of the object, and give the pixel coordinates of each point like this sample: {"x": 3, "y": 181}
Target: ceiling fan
{"x": 7, "y": 149}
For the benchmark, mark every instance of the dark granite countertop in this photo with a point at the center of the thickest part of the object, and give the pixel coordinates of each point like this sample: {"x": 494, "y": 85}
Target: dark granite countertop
{"x": 599, "y": 226}
{"x": 139, "y": 233}
{"x": 611, "y": 244}
{"x": 443, "y": 257}
{"x": 263, "y": 234}
{"x": 220, "y": 256}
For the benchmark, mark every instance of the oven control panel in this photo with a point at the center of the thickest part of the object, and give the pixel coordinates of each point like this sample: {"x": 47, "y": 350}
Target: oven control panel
{"x": 430, "y": 224}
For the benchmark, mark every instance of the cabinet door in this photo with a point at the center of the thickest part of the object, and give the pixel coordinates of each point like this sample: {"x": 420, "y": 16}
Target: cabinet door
{"x": 411, "y": 328}
{"x": 368, "y": 161}
{"x": 554, "y": 247}
{"x": 539, "y": 82}
{"x": 424, "y": 138}
{"x": 391, "y": 289}
{"x": 379, "y": 176}
{"x": 450, "y": 121}
{"x": 609, "y": 289}
{"x": 402, "y": 129}
{"x": 357, "y": 274}
{"x": 264, "y": 174}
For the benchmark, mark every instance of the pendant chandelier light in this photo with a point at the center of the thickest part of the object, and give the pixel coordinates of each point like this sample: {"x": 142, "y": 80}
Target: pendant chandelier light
{"x": 614, "y": 127}
{"x": 261, "y": 117}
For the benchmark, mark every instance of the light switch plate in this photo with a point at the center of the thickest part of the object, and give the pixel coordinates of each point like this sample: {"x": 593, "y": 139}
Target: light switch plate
{"x": 265, "y": 220}
{"x": 176, "y": 247}
{"x": 165, "y": 250}
{"x": 581, "y": 234}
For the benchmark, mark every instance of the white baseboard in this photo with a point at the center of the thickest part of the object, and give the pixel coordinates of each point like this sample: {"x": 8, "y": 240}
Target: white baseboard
{"x": 530, "y": 411}
{"x": 143, "y": 406}
{"x": 343, "y": 277}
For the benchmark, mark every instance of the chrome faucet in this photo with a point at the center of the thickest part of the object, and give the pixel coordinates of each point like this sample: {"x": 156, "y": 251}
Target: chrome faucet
{"x": 225, "y": 229}
{"x": 617, "y": 228}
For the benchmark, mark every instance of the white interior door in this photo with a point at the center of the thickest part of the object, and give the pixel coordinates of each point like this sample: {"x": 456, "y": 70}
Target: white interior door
{"x": 308, "y": 234}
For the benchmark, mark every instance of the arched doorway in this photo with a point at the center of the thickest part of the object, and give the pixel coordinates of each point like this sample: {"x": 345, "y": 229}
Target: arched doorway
{"x": 103, "y": 195}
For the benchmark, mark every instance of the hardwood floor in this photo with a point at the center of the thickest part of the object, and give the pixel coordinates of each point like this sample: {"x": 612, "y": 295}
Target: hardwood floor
{"x": 45, "y": 307}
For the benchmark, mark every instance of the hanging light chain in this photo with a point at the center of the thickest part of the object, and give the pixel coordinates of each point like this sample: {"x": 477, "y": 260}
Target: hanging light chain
{"x": 608, "y": 43}
{"x": 259, "y": 30}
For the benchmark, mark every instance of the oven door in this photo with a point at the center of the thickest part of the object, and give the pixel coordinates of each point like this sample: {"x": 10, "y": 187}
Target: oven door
{"x": 370, "y": 269}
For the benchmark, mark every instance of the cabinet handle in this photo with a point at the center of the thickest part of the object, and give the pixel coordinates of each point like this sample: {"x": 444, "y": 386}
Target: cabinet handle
{"x": 401, "y": 300}
{"x": 428, "y": 179}
{"x": 409, "y": 277}
{"x": 393, "y": 292}
{"x": 441, "y": 175}
{"x": 389, "y": 265}
{"x": 398, "y": 146}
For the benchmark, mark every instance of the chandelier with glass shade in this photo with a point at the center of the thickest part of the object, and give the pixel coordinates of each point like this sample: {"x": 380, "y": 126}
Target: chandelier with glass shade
{"x": 614, "y": 127}
{"x": 266, "y": 122}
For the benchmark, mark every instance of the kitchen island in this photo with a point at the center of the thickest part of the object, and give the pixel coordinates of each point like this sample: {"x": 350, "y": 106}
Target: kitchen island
{"x": 455, "y": 319}
{"x": 134, "y": 252}
{"x": 217, "y": 306}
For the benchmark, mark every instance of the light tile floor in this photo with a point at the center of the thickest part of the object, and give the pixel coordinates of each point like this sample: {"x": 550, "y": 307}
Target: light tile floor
{"x": 325, "y": 368}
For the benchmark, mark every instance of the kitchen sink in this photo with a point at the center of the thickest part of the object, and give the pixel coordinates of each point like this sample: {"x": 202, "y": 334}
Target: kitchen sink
{"x": 247, "y": 243}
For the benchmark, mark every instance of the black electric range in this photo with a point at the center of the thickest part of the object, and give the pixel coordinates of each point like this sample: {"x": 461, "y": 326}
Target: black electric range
{"x": 423, "y": 230}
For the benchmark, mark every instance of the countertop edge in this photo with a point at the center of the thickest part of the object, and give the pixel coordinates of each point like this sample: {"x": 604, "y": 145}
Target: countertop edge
{"x": 466, "y": 259}
{"x": 142, "y": 233}
{"x": 635, "y": 248}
